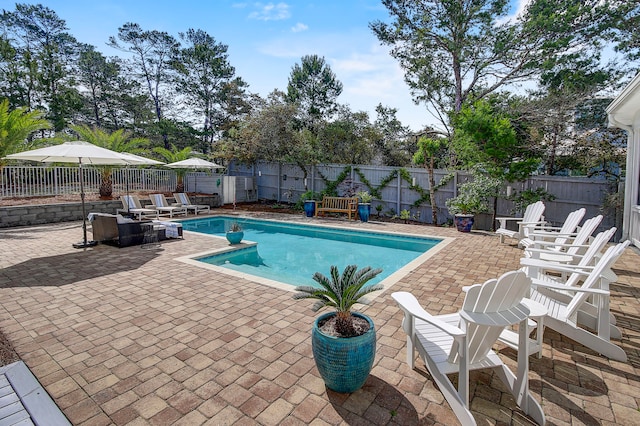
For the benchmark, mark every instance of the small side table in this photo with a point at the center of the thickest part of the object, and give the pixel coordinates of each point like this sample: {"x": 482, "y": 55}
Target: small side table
{"x": 537, "y": 314}
{"x": 150, "y": 240}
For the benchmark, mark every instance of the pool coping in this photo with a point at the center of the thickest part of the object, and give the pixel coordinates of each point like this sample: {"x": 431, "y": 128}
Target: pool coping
{"x": 388, "y": 282}
{"x": 26, "y": 398}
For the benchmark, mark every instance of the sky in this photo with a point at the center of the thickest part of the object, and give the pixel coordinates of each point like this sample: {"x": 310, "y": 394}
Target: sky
{"x": 266, "y": 39}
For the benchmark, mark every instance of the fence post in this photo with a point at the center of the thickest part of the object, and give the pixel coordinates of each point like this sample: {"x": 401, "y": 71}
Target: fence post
{"x": 55, "y": 180}
{"x": 398, "y": 194}
{"x": 313, "y": 178}
{"x": 279, "y": 181}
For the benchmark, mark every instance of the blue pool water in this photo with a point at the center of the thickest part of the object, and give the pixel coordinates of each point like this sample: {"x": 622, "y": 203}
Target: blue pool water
{"x": 292, "y": 253}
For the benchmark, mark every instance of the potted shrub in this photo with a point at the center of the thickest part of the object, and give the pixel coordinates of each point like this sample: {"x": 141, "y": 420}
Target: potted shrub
{"x": 344, "y": 343}
{"x": 364, "y": 207}
{"x": 310, "y": 199}
{"x": 234, "y": 234}
{"x": 473, "y": 198}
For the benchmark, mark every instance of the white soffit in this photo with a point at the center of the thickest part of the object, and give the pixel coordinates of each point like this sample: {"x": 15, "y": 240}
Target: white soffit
{"x": 624, "y": 109}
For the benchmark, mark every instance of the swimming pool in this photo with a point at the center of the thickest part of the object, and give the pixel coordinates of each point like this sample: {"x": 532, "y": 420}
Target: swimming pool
{"x": 291, "y": 253}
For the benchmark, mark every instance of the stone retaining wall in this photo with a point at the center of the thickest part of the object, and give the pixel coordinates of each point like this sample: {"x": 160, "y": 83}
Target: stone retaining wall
{"x": 38, "y": 214}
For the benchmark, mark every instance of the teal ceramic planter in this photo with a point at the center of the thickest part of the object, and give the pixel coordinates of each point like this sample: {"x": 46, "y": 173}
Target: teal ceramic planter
{"x": 364, "y": 210}
{"x": 344, "y": 363}
{"x": 235, "y": 237}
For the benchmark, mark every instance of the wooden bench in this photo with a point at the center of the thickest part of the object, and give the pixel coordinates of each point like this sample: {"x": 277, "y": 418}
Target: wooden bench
{"x": 348, "y": 205}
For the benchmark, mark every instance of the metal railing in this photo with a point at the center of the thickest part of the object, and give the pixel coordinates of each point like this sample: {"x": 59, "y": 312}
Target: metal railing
{"x": 42, "y": 181}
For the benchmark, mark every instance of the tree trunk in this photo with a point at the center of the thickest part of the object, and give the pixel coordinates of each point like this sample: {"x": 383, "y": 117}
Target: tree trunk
{"x": 180, "y": 184}
{"x": 495, "y": 213}
{"x": 106, "y": 187}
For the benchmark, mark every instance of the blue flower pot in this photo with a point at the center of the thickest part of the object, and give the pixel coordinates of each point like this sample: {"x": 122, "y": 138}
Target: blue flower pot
{"x": 364, "y": 210}
{"x": 464, "y": 222}
{"x": 344, "y": 363}
{"x": 310, "y": 208}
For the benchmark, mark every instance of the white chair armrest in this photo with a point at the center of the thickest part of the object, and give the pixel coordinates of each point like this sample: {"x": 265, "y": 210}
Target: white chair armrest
{"x": 509, "y": 218}
{"x": 410, "y": 305}
{"x": 545, "y": 233}
{"x": 559, "y": 267}
{"x": 569, "y": 288}
{"x": 538, "y": 243}
{"x": 533, "y": 250}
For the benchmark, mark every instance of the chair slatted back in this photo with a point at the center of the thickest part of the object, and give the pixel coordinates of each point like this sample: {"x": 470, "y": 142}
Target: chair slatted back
{"x": 532, "y": 214}
{"x": 570, "y": 224}
{"x": 608, "y": 259}
{"x": 159, "y": 200}
{"x": 584, "y": 233}
{"x": 130, "y": 202}
{"x": 487, "y": 309}
{"x": 182, "y": 198}
{"x": 589, "y": 256}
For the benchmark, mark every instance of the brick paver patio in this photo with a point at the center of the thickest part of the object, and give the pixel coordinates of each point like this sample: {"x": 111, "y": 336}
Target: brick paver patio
{"x": 132, "y": 336}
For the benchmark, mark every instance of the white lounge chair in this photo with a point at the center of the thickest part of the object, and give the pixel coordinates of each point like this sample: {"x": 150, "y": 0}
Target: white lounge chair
{"x": 559, "y": 235}
{"x": 588, "y": 306}
{"x": 162, "y": 206}
{"x": 131, "y": 204}
{"x": 575, "y": 245}
{"x": 458, "y": 343}
{"x": 532, "y": 217}
{"x": 182, "y": 199}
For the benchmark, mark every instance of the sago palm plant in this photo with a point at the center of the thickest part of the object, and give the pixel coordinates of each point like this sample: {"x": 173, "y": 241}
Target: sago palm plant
{"x": 174, "y": 155}
{"x": 119, "y": 141}
{"x": 341, "y": 292}
{"x": 15, "y": 128}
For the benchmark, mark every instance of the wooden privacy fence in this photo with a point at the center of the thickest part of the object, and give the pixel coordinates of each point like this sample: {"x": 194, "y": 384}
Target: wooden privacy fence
{"x": 287, "y": 182}
{"x": 403, "y": 188}
{"x": 38, "y": 181}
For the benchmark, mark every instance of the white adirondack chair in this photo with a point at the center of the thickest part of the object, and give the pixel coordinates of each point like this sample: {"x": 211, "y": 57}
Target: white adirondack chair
{"x": 458, "y": 343}
{"x": 574, "y": 274}
{"x": 588, "y": 305}
{"x": 558, "y": 235}
{"x": 535, "y": 264}
{"x": 532, "y": 217}
{"x": 557, "y": 252}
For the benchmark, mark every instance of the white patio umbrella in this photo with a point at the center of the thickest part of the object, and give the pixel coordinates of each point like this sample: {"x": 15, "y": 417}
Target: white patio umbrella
{"x": 140, "y": 160}
{"x": 75, "y": 152}
{"x": 194, "y": 163}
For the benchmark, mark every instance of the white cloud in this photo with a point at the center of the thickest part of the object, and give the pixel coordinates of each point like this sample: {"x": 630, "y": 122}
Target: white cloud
{"x": 271, "y": 12}
{"x": 374, "y": 74}
{"x": 299, "y": 27}
{"x": 369, "y": 74}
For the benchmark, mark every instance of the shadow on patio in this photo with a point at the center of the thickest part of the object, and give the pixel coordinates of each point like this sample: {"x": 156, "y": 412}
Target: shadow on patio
{"x": 73, "y": 267}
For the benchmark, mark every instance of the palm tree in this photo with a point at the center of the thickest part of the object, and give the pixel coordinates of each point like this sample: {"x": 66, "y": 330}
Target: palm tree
{"x": 173, "y": 155}
{"x": 341, "y": 292}
{"x": 119, "y": 141}
{"x": 15, "y": 128}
